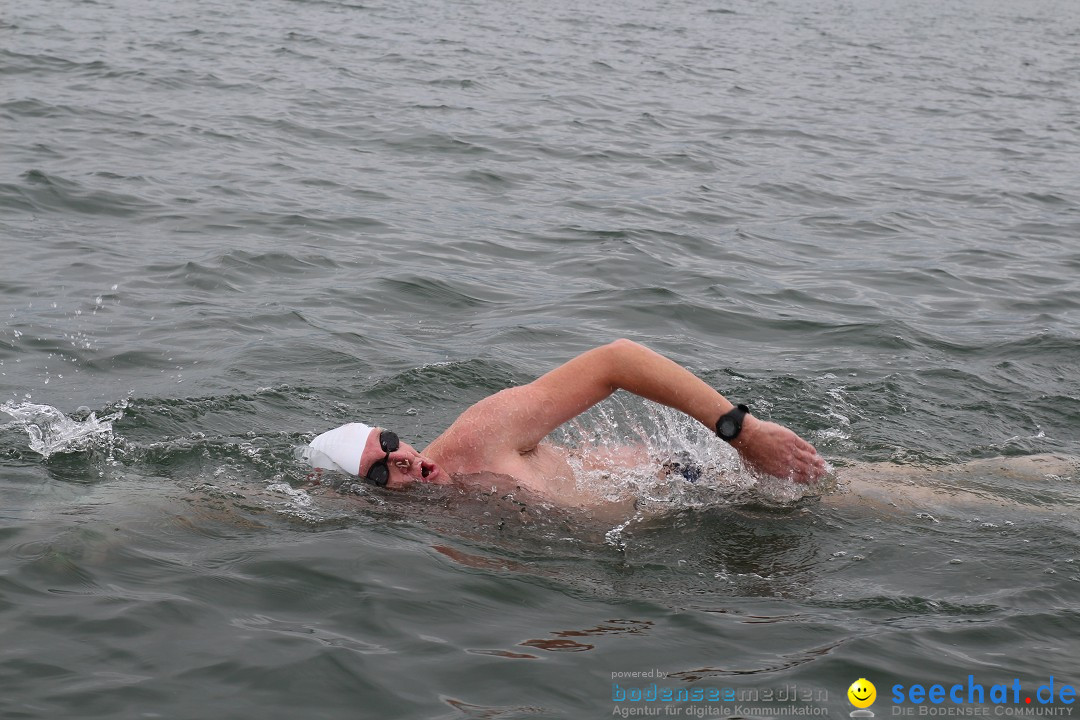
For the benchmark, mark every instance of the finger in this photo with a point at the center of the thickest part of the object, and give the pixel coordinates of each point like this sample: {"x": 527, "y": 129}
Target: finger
{"x": 810, "y": 469}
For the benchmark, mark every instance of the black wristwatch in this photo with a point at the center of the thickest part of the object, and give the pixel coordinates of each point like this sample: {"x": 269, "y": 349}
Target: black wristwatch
{"x": 729, "y": 425}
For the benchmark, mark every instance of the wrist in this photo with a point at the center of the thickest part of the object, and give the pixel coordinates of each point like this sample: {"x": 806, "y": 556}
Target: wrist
{"x": 750, "y": 427}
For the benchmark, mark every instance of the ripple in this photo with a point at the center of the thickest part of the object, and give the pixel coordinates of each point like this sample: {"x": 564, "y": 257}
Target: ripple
{"x": 41, "y": 192}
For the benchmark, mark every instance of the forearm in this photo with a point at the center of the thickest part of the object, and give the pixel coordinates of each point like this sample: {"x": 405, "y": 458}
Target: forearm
{"x": 637, "y": 369}
{"x": 764, "y": 446}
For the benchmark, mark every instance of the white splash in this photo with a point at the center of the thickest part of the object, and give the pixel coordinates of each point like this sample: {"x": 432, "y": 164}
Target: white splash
{"x": 663, "y": 436}
{"x": 297, "y": 498}
{"x": 52, "y": 432}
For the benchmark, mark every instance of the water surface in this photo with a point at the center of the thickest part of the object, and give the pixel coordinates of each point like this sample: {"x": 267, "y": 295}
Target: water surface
{"x": 228, "y": 227}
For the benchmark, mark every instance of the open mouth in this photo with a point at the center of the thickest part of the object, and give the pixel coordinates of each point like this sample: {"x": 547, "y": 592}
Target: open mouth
{"x": 425, "y": 469}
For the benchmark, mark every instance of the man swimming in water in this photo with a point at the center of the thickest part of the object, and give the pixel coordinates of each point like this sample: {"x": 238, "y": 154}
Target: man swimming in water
{"x": 504, "y": 433}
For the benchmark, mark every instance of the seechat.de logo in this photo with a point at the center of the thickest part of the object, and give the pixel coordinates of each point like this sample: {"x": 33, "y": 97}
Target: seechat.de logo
{"x": 862, "y": 695}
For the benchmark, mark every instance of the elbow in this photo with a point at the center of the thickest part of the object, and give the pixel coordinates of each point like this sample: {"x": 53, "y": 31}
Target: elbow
{"x": 624, "y": 345}
{"x": 620, "y": 355}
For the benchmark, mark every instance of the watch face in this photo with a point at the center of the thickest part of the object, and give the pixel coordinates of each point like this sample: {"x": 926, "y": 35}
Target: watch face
{"x": 728, "y": 427}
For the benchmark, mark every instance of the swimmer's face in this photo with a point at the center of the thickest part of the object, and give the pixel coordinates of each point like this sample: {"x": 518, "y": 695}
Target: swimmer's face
{"x": 405, "y": 464}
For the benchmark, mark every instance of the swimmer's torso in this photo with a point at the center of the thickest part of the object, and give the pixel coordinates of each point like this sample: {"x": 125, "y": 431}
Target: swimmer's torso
{"x": 545, "y": 470}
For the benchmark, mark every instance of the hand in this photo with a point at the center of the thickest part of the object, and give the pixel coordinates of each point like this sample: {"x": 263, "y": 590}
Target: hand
{"x": 774, "y": 450}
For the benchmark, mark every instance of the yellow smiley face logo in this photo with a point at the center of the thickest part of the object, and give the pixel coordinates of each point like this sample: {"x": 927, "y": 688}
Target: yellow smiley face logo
{"x": 862, "y": 693}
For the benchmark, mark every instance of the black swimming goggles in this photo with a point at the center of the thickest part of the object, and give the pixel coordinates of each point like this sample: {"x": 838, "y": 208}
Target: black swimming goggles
{"x": 379, "y": 472}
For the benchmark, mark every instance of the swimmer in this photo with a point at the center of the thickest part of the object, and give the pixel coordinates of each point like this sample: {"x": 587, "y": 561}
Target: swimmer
{"x": 502, "y": 437}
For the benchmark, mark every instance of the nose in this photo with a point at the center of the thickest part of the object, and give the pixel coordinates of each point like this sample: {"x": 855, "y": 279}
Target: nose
{"x": 401, "y": 459}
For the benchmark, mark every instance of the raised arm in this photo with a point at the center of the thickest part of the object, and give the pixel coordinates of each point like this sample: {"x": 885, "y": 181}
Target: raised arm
{"x": 521, "y": 417}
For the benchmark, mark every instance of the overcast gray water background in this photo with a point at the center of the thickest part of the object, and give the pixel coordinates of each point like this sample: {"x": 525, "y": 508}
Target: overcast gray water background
{"x": 228, "y": 226}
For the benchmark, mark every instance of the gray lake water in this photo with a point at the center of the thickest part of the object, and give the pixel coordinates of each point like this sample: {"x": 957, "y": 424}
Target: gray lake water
{"x": 228, "y": 226}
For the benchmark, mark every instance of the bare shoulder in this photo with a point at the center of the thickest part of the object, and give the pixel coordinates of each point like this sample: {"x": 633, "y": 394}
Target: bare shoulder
{"x": 473, "y": 429}
{"x": 458, "y": 449}
{"x": 491, "y": 429}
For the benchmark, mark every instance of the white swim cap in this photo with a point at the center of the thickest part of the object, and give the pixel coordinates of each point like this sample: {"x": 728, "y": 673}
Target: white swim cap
{"x": 340, "y": 448}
